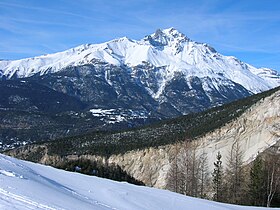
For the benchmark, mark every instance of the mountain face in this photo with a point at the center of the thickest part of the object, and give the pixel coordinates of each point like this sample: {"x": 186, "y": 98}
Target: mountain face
{"x": 161, "y": 76}
{"x": 166, "y": 51}
{"x": 30, "y": 96}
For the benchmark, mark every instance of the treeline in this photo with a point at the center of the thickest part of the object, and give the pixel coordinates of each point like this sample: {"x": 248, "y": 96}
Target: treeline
{"x": 231, "y": 181}
{"x": 99, "y": 169}
{"x": 166, "y": 132}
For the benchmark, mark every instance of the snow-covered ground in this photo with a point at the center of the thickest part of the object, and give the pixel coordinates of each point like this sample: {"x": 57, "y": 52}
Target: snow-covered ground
{"x": 25, "y": 185}
{"x": 113, "y": 116}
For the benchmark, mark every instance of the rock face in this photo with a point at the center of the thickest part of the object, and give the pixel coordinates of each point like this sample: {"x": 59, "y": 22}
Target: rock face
{"x": 255, "y": 131}
{"x": 150, "y": 165}
{"x": 30, "y": 96}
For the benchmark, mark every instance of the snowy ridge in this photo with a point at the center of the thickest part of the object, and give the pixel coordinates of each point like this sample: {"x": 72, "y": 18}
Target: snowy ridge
{"x": 26, "y": 185}
{"x": 165, "y": 48}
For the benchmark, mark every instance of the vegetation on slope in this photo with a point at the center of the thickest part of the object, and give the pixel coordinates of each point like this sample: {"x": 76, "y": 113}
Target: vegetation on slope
{"x": 166, "y": 132}
{"x": 95, "y": 168}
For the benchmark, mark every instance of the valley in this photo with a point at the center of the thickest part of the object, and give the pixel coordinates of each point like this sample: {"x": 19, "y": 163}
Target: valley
{"x": 132, "y": 110}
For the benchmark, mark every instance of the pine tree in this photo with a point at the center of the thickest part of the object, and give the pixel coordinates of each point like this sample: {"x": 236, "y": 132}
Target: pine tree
{"x": 257, "y": 183}
{"x": 217, "y": 176}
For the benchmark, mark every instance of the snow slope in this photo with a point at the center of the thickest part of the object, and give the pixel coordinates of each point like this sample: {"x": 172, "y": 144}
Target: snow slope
{"x": 168, "y": 48}
{"x": 25, "y": 185}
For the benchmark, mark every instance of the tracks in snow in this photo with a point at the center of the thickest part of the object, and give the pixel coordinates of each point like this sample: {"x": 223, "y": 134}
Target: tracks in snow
{"x": 5, "y": 195}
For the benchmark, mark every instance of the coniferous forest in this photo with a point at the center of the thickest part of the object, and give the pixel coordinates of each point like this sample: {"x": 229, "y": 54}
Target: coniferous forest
{"x": 166, "y": 132}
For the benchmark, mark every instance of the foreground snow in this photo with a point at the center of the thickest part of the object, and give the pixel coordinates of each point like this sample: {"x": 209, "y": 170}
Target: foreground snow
{"x": 25, "y": 185}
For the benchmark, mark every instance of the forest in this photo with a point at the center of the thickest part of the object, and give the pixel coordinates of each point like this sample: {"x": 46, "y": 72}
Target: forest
{"x": 231, "y": 181}
{"x": 166, "y": 132}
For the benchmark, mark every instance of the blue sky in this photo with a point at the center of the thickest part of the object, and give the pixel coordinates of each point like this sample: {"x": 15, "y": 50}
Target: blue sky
{"x": 247, "y": 29}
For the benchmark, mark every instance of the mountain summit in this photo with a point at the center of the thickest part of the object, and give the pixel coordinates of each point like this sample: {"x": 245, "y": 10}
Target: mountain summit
{"x": 165, "y": 72}
{"x": 166, "y": 48}
{"x": 167, "y": 37}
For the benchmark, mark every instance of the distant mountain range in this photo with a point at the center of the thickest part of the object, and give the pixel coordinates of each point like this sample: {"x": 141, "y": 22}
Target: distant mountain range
{"x": 168, "y": 50}
{"x": 123, "y": 81}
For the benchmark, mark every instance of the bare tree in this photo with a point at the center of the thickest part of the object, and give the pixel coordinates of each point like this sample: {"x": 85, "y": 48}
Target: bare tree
{"x": 236, "y": 174}
{"x": 185, "y": 169}
{"x": 189, "y": 167}
{"x": 272, "y": 168}
{"x": 273, "y": 182}
{"x": 173, "y": 173}
{"x": 188, "y": 172}
{"x": 203, "y": 174}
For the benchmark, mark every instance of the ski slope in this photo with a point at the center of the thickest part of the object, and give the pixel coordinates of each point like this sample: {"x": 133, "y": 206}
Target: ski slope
{"x": 26, "y": 185}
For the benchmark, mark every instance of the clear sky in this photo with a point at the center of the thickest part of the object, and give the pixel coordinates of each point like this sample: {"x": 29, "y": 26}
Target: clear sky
{"x": 247, "y": 29}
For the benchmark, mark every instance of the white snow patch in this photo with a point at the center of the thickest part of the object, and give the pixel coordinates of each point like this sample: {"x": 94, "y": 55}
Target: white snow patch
{"x": 7, "y": 173}
{"x": 101, "y": 112}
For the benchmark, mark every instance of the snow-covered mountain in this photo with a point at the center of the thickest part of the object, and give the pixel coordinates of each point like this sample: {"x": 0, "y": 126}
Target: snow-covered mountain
{"x": 164, "y": 73}
{"x": 168, "y": 49}
{"x": 26, "y": 185}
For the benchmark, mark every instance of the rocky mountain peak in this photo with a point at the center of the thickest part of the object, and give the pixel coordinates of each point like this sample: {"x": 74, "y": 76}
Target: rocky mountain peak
{"x": 168, "y": 51}
{"x": 166, "y": 37}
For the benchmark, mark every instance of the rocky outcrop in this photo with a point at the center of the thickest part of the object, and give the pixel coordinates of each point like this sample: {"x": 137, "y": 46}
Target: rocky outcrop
{"x": 150, "y": 165}
{"x": 255, "y": 131}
